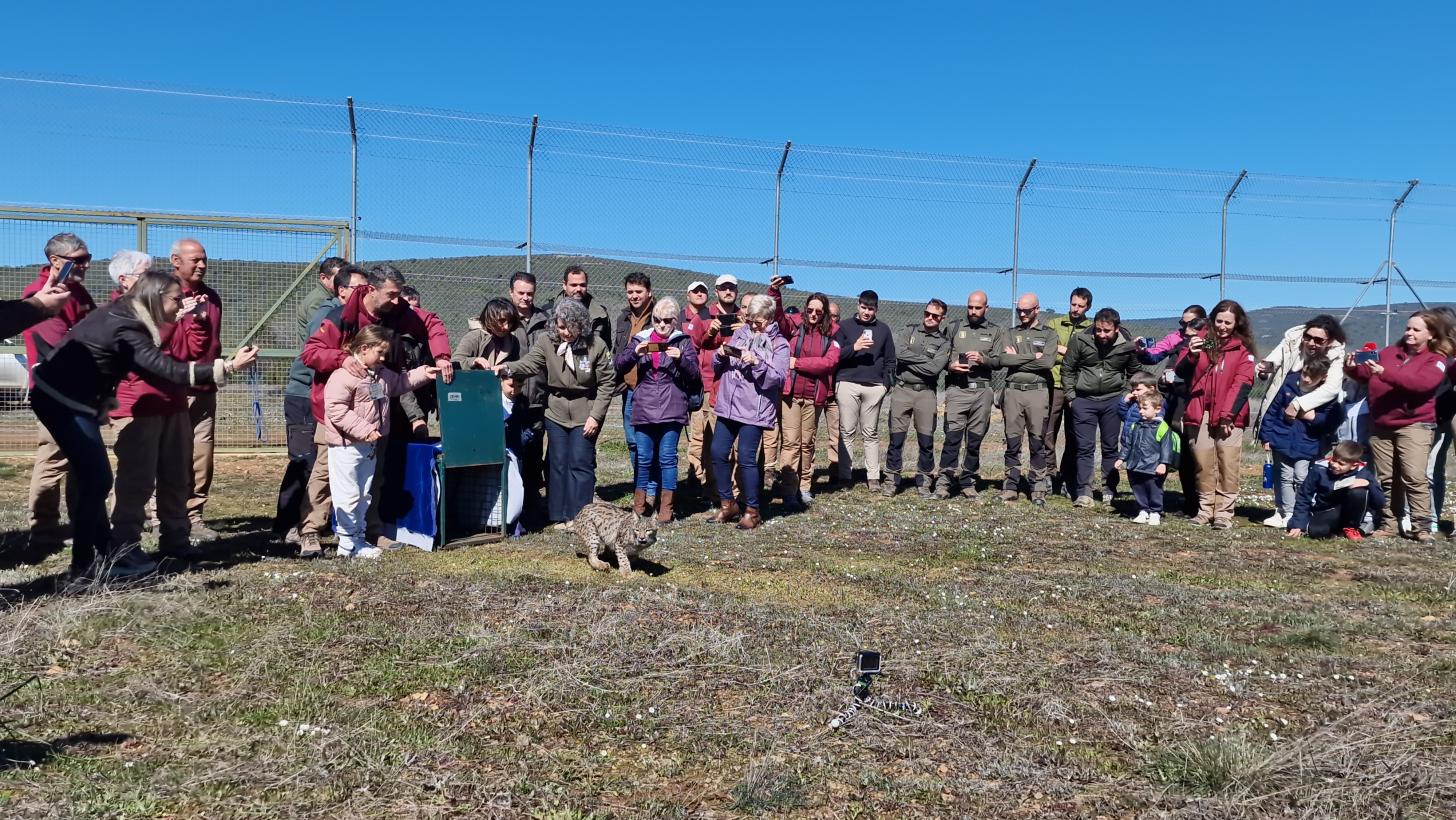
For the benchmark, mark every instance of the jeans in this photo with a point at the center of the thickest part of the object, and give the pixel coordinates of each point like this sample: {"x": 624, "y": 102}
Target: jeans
{"x": 630, "y": 432}
{"x": 571, "y": 471}
{"x": 748, "y": 438}
{"x": 89, "y": 481}
{"x": 1436, "y": 468}
{"x": 1288, "y": 478}
{"x": 1091, "y": 417}
{"x": 1147, "y": 489}
{"x": 655, "y": 451}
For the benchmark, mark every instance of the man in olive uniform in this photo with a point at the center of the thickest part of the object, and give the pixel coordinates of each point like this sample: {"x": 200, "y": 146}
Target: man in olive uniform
{"x": 1027, "y": 352}
{"x": 968, "y": 398}
{"x": 1059, "y": 421}
{"x": 918, "y": 365}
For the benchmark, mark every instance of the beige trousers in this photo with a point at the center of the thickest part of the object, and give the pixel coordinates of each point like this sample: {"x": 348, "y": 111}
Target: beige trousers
{"x": 800, "y": 421}
{"x": 1400, "y": 456}
{"x": 859, "y": 415}
{"x": 202, "y": 408}
{"x": 1218, "y": 461}
{"x": 47, "y": 488}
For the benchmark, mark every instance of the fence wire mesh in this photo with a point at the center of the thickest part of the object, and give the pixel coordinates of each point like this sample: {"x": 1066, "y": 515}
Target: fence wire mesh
{"x": 460, "y": 200}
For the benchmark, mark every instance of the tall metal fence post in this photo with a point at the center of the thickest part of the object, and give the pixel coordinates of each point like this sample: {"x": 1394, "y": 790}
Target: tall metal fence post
{"x": 778, "y": 203}
{"x": 353, "y": 249}
{"x": 1016, "y": 235}
{"x": 141, "y": 234}
{"x": 1390, "y": 254}
{"x": 530, "y": 187}
{"x": 1223, "y": 236}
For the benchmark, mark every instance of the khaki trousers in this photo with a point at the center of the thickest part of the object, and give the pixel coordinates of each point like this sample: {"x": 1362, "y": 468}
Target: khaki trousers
{"x": 152, "y": 453}
{"x": 700, "y": 438}
{"x": 800, "y": 421}
{"x": 47, "y": 488}
{"x": 317, "y": 501}
{"x": 202, "y": 408}
{"x": 859, "y": 415}
{"x": 1217, "y": 462}
{"x": 835, "y": 444}
{"x": 1400, "y": 456}
{"x": 1025, "y": 413}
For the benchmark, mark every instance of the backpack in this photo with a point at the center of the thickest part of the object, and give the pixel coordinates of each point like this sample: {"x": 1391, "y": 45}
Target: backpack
{"x": 1165, "y": 430}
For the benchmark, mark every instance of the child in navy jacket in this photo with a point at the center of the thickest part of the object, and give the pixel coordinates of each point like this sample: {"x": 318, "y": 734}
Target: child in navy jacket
{"x": 1148, "y": 451}
{"x": 1336, "y": 495}
{"x": 1295, "y": 441}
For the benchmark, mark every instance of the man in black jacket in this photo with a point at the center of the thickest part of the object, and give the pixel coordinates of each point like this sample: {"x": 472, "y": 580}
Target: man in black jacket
{"x": 866, "y": 369}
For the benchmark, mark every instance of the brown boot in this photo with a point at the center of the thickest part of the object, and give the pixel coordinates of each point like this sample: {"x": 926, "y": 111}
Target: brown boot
{"x": 639, "y": 501}
{"x": 750, "y": 520}
{"x": 727, "y": 511}
{"x": 664, "y": 507}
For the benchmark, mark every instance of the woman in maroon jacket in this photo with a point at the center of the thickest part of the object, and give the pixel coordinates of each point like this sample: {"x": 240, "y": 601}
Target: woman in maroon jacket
{"x": 1403, "y": 384}
{"x": 1218, "y": 366}
{"x": 813, "y": 356}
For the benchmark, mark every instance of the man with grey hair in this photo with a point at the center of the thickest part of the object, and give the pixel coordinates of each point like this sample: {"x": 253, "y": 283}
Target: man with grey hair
{"x": 189, "y": 265}
{"x": 125, "y": 267}
{"x": 46, "y": 530}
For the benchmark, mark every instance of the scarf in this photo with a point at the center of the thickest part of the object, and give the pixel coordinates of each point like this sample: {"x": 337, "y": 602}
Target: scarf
{"x": 565, "y": 352}
{"x": 658, "y": 359}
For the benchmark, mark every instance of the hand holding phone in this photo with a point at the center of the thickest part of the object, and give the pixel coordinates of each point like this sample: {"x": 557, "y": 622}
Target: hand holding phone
{"x": 65, "y": 272}
{"x": 732, "y": 350}
{"x": 1367, "y": 356}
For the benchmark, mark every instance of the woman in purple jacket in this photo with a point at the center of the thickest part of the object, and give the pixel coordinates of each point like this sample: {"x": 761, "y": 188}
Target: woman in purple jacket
{"x": 667, "y": 373}
{"x": 750, "y": 370}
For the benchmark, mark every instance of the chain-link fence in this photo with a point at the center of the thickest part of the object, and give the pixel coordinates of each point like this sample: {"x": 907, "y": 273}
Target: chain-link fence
{"x": 460, "y": 200}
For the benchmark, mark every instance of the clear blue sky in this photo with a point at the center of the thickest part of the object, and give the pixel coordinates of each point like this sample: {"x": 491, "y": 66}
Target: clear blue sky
{"x": 1339, "y": 89}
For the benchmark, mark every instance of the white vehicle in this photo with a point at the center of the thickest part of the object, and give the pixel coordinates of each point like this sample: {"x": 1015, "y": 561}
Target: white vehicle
{"x": 14, "y": 380}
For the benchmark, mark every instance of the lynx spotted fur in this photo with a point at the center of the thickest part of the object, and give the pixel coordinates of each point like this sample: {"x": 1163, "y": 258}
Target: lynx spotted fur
{"x": 607, "y": 527}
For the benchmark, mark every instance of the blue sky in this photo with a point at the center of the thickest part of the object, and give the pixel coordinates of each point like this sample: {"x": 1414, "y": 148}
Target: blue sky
{"x": 1330, "y": 90}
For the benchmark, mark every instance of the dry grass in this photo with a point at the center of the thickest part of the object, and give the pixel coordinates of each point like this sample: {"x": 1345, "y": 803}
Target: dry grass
{"x": 1070, "y": 664}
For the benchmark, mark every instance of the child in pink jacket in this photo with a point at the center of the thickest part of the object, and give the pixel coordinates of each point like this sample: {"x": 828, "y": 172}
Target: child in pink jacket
{"x": 356, "y": 416}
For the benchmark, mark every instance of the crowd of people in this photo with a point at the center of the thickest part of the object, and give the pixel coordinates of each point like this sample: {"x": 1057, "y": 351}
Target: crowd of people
{"x": 1356, "y": 441}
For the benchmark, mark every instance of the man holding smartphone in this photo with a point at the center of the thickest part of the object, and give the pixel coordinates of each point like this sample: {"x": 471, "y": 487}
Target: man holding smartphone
{"x": 633, "y": 319}
{"x": 866, "y": 369}
{"x": 708, "y": 336}
{"x": 47, "y": 533}
{"x": 189, "y": 265}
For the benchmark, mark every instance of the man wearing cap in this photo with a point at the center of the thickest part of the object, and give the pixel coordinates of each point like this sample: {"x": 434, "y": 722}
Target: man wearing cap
{"x": 920, "y": 357}
{"x": 723, "y": 319}
{"x": 47, "y": 533}
{"x": 573, "y": 284}
{"x": 968, "y": 398}
{"x": 695, "y": 317}
{"x": 1027, "y": 352}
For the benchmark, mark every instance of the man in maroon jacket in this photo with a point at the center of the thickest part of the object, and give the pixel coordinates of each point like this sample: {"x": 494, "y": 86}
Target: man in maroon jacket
{"x": 46, "y": 531}
{"x": 379, "y": 302}
{"x": 189, "y": 265}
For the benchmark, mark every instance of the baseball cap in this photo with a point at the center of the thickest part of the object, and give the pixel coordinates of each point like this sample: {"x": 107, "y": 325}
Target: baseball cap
{"x": 726, "y": 279}
{"x": 694, "y": 286}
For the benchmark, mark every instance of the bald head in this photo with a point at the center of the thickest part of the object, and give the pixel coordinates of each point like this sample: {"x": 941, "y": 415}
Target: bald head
{"x": 976, "y": 307}
{"x": 1028, "y": 309}
{"x": 189, "y": 262}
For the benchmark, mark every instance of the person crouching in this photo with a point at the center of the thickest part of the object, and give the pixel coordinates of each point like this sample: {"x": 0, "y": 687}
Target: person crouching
{"x": 1336, "y": 495}
{"x": 356, "y": 415}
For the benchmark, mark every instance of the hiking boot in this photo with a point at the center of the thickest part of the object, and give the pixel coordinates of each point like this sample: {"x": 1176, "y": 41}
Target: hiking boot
{"x": 182, "y": 552}
{"x": 1039, "y": 499}
{"x": 750, "y": 519}
{"x": 201, "y": 533}
{"x": 924, "y": 491}
{"x": 1383, "y": 532}
{"x": 968, "y": 490}
{"x": 1083, "y": 501}
{"x": 1222, "y": 524}
{"x": 727, "y": 512}
{"x": 1008, "y": 495}
{"x": 890, "y": 486}
{"x": 309, "y": 546}
{"x": 942, "y": 488}
{"x": 873, "y": 485}
{"x": 293, "y": 536}
{"x": 1425, "y": 537}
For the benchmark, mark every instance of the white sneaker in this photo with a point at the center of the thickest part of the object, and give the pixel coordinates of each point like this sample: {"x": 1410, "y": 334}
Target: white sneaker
{"x": 368, "y": 552}
{"x": 806, "y": 497}
{"x": 343, "y": 552}
{"x": 1276, "y": 520}
{"x": 1141, "y": 517}
{"x": 1155, "y": 519}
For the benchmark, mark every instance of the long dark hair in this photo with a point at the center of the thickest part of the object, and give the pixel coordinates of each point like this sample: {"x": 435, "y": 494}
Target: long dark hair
{"x": 1242, "y": 331}
{"x": 824, "y": 321}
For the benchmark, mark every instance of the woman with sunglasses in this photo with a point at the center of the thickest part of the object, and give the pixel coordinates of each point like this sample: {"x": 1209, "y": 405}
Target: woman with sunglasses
{"x": 76, "y": 385}
{"x": 813, "y": 357}
{"x": 666, "y": 364}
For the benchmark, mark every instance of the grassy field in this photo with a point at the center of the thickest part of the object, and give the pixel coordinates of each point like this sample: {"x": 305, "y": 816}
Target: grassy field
{"x": 1069, "y": 664}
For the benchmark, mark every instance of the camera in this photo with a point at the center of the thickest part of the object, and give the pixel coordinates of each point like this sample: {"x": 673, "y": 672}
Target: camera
{"x": 867, "y": 662}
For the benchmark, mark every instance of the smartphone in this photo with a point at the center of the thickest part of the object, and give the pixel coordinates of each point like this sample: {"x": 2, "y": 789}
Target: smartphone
{"x": 866, "y": 334}
{"x": 1367, "y": 356}
{"x": 656, "y": 347}
{"x": 732, "y": 350}
{"x": 786, "y": 280}
{"x": 65, "y": 273}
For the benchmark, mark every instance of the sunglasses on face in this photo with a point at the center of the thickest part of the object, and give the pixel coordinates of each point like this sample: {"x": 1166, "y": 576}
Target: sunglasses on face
{"x": 1316, "y": 339}
{"x": 930, "y": 315}
{"x": 1026, "y": 310}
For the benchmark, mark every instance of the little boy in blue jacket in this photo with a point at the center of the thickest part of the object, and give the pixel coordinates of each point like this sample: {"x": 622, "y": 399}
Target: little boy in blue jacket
{"x": 1149, "y": 449}
{"x": 1336, "y": 495}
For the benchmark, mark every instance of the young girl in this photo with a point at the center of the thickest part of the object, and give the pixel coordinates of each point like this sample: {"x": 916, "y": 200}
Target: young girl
{"x": 356, "y": 416}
